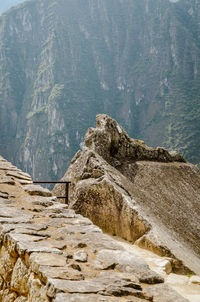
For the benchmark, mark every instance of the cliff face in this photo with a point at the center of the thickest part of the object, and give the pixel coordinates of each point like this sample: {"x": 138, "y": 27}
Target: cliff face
{"x": 62, "y": 62}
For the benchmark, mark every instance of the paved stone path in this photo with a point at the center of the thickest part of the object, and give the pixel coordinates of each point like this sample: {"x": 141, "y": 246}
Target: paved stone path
{"x": 50, "y": 253}
{"x": 187, "y": 285}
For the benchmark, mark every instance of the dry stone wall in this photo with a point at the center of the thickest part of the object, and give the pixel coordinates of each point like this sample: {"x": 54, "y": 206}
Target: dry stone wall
{"x": 50, "y": 253}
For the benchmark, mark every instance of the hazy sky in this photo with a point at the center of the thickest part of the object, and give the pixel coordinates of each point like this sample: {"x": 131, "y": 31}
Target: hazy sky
{"x": 6, "y": 4}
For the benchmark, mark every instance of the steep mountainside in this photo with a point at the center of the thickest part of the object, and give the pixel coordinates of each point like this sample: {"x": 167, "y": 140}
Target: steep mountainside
{"x": 64, "y": 61}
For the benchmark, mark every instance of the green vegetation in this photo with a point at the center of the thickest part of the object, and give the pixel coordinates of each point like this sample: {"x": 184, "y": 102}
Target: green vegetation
{"x": 38, "y": 111}
{"x": 56, "y": 92}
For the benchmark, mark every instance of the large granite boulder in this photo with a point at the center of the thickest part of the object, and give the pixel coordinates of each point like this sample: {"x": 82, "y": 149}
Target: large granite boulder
{"x": 145, "y": 195}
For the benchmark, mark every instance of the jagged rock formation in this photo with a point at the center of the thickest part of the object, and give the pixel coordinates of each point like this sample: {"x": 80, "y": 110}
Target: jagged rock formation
{"x": 64, "y": 61}
{"x": 50, "y": 254}
{"x": 148, "y": 196}
{"x": 112, "y": 143}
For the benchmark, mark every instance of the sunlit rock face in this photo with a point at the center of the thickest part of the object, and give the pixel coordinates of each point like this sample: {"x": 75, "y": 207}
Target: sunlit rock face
{"x": 145, "y": 195}
{"x": 63, "y": 62}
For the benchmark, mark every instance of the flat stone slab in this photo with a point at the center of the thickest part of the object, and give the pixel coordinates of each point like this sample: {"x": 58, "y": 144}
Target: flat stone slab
{"x": 15, "y": 220}
{"x": 195, "y": 280}
{"x": 20, "y": 175}
{"x": 4, "y": 195}
{"x": 91, "y": 298}
{"x": 77, "y": 220}
{"x": 127, "y": 262}
{"x": 11, "y": 212}
{"x": 56, "y": 208}
{"x": 7, "y": 166}
{"x": 105, "y": 286}
{"x": 43, "y": 201}
{"x": 39, "y": 248}
{"x": 27, "y": 226}
{"x": 173, "y": 280}
{"x": 77, "y": 286}
{"x": 163, "y": 293}
{"x": 101, "y": 241}
{"x": 25, "y": 237}
{"x": 37, "y": 190}
{"x": 65, "y": 273}
{"x": 48, "y": 259}
{"x": 7, "y": 180}
{"x": 24, "y": 182}
{"x": 82, "y": 229}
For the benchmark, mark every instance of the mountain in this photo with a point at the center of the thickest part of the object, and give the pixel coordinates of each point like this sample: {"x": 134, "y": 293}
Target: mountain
{"x": 63, "y": 62}
{"x": 5, "y": 5}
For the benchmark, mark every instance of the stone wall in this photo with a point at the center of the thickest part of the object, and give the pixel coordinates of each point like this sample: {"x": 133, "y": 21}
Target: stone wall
{"x": 50, "y": 253}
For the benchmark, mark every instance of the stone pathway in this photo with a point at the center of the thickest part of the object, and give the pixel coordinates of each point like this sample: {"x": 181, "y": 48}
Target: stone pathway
{"x": 49, "y": 253}
{"x": 187, "y": 286}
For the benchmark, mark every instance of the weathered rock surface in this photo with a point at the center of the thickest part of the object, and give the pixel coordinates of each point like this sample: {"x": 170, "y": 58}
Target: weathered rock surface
{"x": 37, "y": 190}
{"x": 145, "y": 195}
{"x": 53, "y": 254}
{"x": 195, "y": 280}
{"x": 92, "y": 298}
{"x": 111, "y": 142}
{"x": 124, "y": 261}
{"x": 162, "y": 293}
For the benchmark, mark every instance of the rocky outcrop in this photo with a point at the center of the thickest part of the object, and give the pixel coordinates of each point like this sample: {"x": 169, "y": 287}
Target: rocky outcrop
{"x": 112, "y": 143}
{"x": 145, "y": 195}
{"x": 48, "y": 253}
